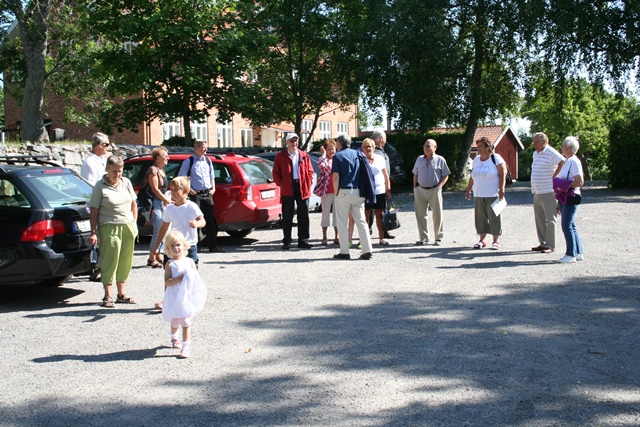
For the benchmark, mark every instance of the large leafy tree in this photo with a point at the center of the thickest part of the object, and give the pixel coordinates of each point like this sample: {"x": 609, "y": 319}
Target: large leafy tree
{"x": 576, "y": 107}
{"x": 182, "y": 60}
{"x": 298, "y": 63}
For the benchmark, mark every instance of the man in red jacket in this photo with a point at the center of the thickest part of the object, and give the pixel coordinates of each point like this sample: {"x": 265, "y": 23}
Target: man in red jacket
{"x": 293, "y": 173}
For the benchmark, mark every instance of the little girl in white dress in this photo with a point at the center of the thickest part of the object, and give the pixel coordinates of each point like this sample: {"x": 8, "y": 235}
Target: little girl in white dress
{"x": 185, "y": 292}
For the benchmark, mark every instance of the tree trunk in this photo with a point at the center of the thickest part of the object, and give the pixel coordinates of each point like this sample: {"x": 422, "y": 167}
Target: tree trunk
{"x": 33, "y": 30}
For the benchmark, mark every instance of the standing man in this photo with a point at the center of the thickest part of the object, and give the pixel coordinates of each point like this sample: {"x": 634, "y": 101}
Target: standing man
{"x": 349, "y": 184}
{"x": 199, "y": 168}
{"x": 430, "y": 174}
{"x": 293, "y": 173}
{"x": 93, "y": 167}
{"x": 380, "y": 138}
{"x": 546, "y": 165}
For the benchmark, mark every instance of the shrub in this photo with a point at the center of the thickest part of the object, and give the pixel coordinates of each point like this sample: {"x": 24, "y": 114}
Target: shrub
{"x": 624, "y": 153}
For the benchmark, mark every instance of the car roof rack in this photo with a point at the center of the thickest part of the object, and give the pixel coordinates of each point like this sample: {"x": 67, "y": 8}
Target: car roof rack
{"x": 28, "y": 159}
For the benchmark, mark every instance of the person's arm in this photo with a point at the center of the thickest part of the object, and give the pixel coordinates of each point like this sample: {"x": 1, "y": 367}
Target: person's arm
{"x": 198, "y": 223}
{"x": 502, "y": 179}
{"x": 443, "y": 181}
{"x": 387, "y": 182}
{"x": 558, "y": 169}
{"x": 93, "y": 221}
{"x": 161, "y": 233}
{"x": 469, "y": 188}
{"x": 335, "y": 177}
{"x": 168, "y": 280}
{"x": 277, "y": 176}
{"x": 415, "y": 181}
{"x": 213, "y": 177}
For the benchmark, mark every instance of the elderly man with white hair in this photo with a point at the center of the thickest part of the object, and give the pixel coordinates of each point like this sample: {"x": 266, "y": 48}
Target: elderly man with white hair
{"x": 546, "y": 165}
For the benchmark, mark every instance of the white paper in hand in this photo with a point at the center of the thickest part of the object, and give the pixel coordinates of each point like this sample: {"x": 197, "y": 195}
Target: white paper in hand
{"x": 498, "y": 205}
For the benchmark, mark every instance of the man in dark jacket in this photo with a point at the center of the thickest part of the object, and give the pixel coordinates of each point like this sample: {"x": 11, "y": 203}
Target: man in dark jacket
{"x": 293, "y": 173}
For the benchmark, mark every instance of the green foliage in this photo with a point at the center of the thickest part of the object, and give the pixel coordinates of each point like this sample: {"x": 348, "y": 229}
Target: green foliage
{"x": 174, "y": 141}
{"x": 409, "y": 145}
{"x": 575, "y": 107}
{"x": 525, "y": 157}
{"x": 624, "y": 152}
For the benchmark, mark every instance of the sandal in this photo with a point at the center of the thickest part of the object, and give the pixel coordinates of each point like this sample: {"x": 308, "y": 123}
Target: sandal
{"x": 125, "y": 300}
{"x": 479, "y": 245}
{"x": 154, "y": 264}
{"x": 495, "y": 246}
{"x": 384, "y": 242}
{"x": 107, "y": 302}
{"x": 158, "y": 305}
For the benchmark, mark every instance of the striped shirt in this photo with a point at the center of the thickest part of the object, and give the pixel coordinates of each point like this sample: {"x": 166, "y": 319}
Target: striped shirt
{"x": 543, "y": 167}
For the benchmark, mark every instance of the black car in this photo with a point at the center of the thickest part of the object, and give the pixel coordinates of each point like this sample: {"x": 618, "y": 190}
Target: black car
{"x": 44, "y": 223}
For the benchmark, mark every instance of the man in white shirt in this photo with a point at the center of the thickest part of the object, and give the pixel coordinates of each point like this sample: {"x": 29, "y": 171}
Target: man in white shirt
{"x": 546, "y": 165}
{"x": 93, "y": 167}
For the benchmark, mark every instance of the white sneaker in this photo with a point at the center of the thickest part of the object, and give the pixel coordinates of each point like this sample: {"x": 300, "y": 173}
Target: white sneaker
{"x": 580, "y": 257}
{"x": 567, "y": 259}
{"x": 186, "y": 351}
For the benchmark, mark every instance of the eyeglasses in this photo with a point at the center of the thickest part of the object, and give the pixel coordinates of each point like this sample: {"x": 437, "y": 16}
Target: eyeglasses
{"x": 105, "y": 144}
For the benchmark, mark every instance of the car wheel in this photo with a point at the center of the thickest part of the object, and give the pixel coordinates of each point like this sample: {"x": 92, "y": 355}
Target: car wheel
{"x": 240, "y": 233}
{"x": 54, "y": 281}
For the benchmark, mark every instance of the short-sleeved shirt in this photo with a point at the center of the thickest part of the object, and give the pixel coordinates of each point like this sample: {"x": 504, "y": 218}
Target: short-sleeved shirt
{"x": 113, "y": 201}
{"x": 486, "y": 179}
{"x": 571, "y": 168}
{"x": 202, "y": 173}
{"x": 179, "y": 217}
{"x": 376, "y": 167}
{"x": 93, "y": 168}
{"x": 430, "y": 173}
{"x": 384, "y": 154}
{"x": 543, "y": 167}
{"x": 347, "y": 165}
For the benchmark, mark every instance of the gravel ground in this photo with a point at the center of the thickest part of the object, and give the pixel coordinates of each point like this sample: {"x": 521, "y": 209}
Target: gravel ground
{"x": 419, "y": 336}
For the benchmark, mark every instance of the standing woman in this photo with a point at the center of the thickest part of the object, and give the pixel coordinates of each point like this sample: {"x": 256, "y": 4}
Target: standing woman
{"x": 324, "y": 190}
{"x": 159, "y": 185}
{"x": 382, "y": 190}
{"x": 113, "y": 225}
{"x": 571, "y": 170}
{"x": 488, "y": 180}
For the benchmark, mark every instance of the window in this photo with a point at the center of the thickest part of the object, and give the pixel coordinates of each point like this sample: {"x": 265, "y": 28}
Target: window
{"x": 343, "y": 127}
{"x": 199, "y": 131}
{"x": 306, "y": 128}
{"x": 10, "y": 196}
{"x": 225, "y": 134}
{"x": 170, "y": 129}
{"x": 246, "y": 137}
{"x": 325, "y": 130}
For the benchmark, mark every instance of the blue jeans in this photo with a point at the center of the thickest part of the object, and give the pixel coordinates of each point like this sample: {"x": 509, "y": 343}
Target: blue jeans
{"x": 156, "y": 222}
{"x": 568, "y": 214}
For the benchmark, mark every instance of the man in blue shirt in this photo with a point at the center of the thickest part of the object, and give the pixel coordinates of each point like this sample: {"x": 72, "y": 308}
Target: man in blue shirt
{"x": 199, "y": 169}
{"x": 346, "y": 175}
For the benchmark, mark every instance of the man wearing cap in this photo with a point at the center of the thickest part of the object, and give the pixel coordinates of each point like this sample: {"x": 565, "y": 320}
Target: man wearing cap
{"x": 293, "y": 173}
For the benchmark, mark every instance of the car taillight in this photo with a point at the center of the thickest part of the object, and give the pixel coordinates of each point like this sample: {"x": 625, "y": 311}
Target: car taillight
{"x": 244, "y": 194}
{"x": 39, "y": 231}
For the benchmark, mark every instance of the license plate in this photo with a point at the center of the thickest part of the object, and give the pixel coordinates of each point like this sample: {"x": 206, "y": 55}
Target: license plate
{"x": 268, "y": 194}
{"x": 82, "y": 226}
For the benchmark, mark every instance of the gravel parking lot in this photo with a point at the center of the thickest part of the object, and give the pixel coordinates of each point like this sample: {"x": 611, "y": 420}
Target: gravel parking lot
{"x": 419, "y": 336}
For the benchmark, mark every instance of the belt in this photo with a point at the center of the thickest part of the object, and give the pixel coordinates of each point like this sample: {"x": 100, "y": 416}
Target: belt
{"x": 296, "y": 180}
{"x": 428, "y": 188}
{"x": 202, "y": 191}
{"x": 348, "y": 188}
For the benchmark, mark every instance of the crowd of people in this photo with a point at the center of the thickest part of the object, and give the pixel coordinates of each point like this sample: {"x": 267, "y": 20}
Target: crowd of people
{"x": 354, "y": 186}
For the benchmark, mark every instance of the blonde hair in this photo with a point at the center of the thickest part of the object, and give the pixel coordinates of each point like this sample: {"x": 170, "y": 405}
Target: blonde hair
{"x": 157, "y": 152}
{"x": 180, "y": 183}
{"x": 173, "y": 237}
{"x": 368, "y": 141}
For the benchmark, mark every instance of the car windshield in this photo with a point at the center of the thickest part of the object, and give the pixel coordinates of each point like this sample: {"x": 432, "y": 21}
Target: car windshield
{"x": 60, "y": 189}
{"x": 258, "y": 172}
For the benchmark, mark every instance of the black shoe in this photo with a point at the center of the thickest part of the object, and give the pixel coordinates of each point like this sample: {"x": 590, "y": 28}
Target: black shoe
{"x": 286, "y": 247}
{"x": 388, "y": 236}
{"x": 342, "y": 256}
{"x": 366, "y": 256}
{"x": 304, "y": 244}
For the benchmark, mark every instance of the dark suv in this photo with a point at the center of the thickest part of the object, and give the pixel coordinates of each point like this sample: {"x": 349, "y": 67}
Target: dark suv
{"x": 246, "y": 196}
{"x": 44, "y": 222}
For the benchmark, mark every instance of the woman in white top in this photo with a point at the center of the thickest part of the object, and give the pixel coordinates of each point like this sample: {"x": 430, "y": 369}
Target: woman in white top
{"x": 572, "y": 170}
{"x": 383, "y": 187}
{"x": 488, "y": 180}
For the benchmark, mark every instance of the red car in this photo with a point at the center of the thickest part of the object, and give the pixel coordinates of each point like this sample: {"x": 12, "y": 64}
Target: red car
{"x": 246, "y": 196}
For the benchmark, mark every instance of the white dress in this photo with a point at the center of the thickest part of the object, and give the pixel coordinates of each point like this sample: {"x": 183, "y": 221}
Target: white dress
{"x": 187, "y": 298}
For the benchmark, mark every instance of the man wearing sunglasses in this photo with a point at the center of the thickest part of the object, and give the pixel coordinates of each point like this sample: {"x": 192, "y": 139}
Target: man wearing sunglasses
{"x": 93, "y": 167}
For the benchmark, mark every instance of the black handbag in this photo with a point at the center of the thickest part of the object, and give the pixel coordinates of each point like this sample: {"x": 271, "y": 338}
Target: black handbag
{"x": 390, "y": 219}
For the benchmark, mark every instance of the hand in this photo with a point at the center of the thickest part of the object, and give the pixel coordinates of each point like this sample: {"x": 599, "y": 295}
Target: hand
{"x": 93, "y": 240}
{"x": 192, "y": 224}
{"x": 323, "y": 152}
{"x": 468, "y": 195}
{"x": 501, "y": 194}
